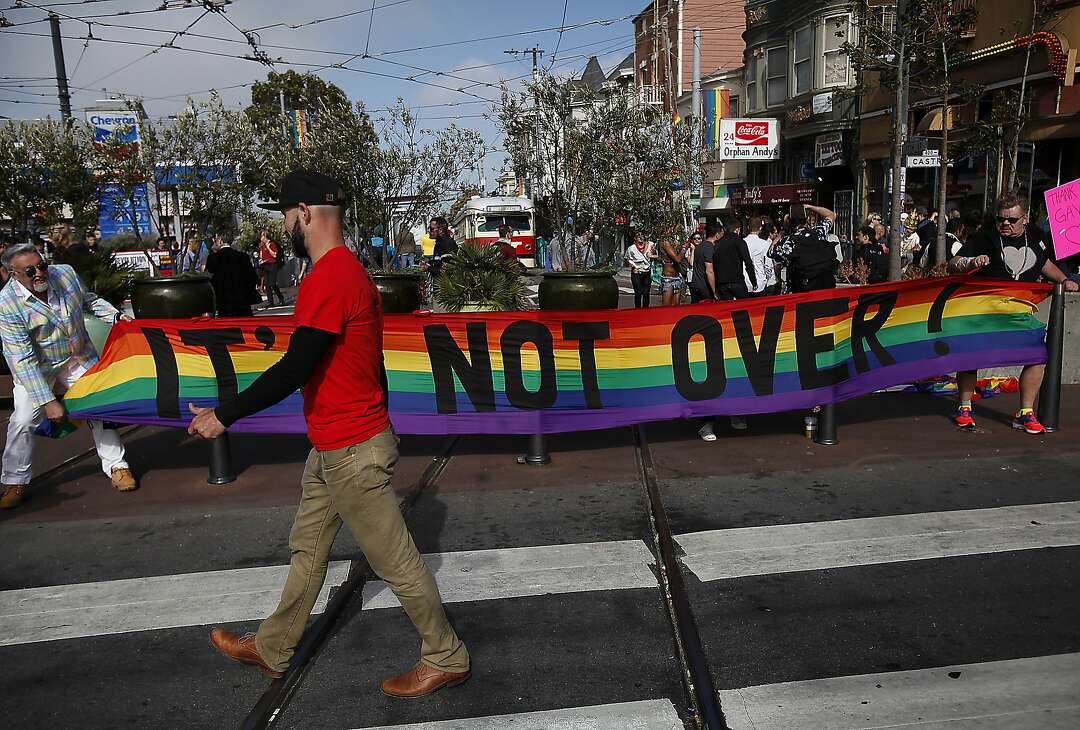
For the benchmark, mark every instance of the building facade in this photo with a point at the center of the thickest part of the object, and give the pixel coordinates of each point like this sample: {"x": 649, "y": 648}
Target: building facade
{"x": 996, "y": 49}
{"x": 663, "y": 45}
{"x": 797, "y": 73}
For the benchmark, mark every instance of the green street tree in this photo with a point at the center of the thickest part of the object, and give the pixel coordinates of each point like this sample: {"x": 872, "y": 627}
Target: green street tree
{"x": 598, "y": 158}
{"x": 340, "y": 142}
{"x": 289, "y": 91}
{"x": 910, "y": 49}
{"x": 45, "y": 173}
{"x": 204, "y": 152}
{"x": 418, "y": 170}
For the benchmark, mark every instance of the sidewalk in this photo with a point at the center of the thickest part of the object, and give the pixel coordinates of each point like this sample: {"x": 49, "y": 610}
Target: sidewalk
{"x": 886, "y": 428}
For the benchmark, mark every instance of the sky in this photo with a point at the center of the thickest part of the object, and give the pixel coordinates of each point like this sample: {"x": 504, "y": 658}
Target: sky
{"x": 422, "y": 40}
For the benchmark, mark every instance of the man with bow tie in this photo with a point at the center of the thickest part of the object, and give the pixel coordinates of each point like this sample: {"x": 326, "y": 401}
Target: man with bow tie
{"x": 47, "y": 349}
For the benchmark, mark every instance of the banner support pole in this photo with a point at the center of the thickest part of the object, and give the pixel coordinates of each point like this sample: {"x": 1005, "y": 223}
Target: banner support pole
{"x": 826, "y": 426}
{"x": 1050, "y": 392}
{"x": 537, "y": 455}
{"x": 221, "y": 471}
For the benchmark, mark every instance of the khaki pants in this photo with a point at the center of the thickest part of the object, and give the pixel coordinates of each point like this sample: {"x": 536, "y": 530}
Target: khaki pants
{"x": 352, "y": 484}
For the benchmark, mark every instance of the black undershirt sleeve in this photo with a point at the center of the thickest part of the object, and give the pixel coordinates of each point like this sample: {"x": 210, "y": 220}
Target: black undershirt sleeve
{"x": 307, "y": 347}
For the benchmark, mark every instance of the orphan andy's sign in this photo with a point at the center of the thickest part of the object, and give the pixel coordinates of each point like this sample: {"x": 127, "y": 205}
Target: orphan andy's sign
{"x": 1063, "y": 210}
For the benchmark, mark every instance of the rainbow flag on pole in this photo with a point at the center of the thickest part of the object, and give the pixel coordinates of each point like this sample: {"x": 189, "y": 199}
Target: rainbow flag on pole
{"x": 717, "y": 103}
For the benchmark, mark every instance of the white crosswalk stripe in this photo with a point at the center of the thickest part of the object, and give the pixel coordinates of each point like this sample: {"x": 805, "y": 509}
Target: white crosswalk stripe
{"x": 246, "y": 594}
{"x": 195, "y": 599}
{"x": 140, "y": 604}
{"x": 483, "y": 575}
{"x": 719, "y": 554}
{"x": 643, "y": 715}
{"x": 1040, "y": 693}
{"x": 1037, "y": 693}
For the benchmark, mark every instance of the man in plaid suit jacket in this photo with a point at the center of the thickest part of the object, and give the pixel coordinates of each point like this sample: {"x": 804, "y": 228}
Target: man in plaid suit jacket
{"x": 47, "y": 349}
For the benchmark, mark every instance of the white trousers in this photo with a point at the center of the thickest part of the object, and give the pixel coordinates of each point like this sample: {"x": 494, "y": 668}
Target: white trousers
{"x": 19, "y": 451}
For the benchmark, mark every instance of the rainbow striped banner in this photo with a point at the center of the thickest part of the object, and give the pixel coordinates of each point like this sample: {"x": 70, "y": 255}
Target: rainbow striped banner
{"x": 548, "y": 372}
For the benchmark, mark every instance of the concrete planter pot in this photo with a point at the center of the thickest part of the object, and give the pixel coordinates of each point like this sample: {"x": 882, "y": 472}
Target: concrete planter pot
{"x": 401, "y": 293}
{"x": 181, "y": 297}
{"x": 577, "y": 290}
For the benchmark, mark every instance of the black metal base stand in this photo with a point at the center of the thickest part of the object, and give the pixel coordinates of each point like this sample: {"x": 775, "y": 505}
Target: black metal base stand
{"x": 221, "y": 471}
{"x": 1050, "y": 393}
{"x": 537, "y": 455}
{"x": 826, "y": 426}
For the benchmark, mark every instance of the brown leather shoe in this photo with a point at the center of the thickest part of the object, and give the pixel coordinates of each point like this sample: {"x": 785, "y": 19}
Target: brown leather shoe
{"x": 422, "y": 680}
{"x": 123, "y": 480}
{"x": 13, "y": 496}
{"x": 241, "y": 649}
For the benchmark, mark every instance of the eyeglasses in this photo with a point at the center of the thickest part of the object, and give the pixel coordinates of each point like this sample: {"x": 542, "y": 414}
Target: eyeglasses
{"x": 42, "y": 267}
{"x": 1008, "y": 219}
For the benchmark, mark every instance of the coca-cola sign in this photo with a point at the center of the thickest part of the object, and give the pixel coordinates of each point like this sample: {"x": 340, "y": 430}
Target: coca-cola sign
{"x": 749, "y": 139}
{"x": 754, "y": 133}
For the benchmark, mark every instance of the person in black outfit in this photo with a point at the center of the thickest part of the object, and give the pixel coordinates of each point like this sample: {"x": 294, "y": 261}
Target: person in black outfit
{"x": 701, "y": 282}
{"x": 807, "y": 253}
{"x": 870, "y": 253}
{"x": 730, "y": 258}
{"x": 1016, "y": 251}
{"x": 445, "y": 244}
{"x": 234, "y": 279}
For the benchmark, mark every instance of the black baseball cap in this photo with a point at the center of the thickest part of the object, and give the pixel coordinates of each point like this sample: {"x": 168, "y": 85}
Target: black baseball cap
{"x": 308, "y": 187}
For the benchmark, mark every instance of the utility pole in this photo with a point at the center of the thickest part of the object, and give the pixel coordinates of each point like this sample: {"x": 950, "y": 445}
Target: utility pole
{"x": 61, "y": 70}
{"x": 284, "y": 121}
{"x": 695, "y": 108}
{"x": 900, "y": 132}
{"x": 536, "y": 53}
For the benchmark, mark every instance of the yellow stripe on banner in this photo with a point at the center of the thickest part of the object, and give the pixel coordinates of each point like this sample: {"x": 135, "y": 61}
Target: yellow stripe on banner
{"x": 193, "y": 365}
{"x": 656, "y": 355}
{"x": 128, "y": 369}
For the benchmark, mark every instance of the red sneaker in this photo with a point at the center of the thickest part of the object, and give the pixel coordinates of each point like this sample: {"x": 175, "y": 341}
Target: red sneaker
{"x": 1028, "y": 422}
{"x": 965, "y": 418}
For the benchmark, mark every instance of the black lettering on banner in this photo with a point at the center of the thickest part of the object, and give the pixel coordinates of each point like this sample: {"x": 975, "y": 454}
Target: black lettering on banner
{"x": 715, "y": 378}
{"x": 759, "y": 357}
{"x": 513, "y": 339}
{"x": 937, "y": 310}
{"x": 808, "y": 345}
{"x": 168, "y": 375}
{"x": 265, "y": 337}
{"x": 447, "y": 360}
{"x": 863, "y": 329}
{"x": 586, "y": 333}
{"x": 216, "y": 342}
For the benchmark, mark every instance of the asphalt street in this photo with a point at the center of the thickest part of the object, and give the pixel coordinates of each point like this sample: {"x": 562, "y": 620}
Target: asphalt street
{"x": 912, "y": 576}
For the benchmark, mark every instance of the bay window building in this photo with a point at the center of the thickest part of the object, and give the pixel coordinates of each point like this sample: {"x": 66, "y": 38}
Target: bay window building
{"x": 794, "y": 67}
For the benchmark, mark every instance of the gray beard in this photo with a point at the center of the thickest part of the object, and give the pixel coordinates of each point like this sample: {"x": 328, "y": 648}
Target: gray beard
{"x": 41, "y": 288}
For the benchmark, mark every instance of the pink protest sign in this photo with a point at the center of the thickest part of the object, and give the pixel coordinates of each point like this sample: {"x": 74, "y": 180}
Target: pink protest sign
{"x": 1063, "y": 210}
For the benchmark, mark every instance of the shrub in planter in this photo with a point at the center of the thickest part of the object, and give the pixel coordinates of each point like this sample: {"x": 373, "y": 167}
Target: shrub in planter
{"x": 480, "y": 276}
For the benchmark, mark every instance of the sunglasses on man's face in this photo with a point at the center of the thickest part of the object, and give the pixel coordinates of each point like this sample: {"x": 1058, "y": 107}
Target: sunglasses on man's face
{"x": 42, "y": 267}
{"x": 1008, "y": 219}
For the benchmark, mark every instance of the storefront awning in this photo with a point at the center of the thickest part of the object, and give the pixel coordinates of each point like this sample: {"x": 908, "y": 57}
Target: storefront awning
{"x": 1046, "y": 129}
{"x": 768, "y": 194}
{"x": 932, "y": 121}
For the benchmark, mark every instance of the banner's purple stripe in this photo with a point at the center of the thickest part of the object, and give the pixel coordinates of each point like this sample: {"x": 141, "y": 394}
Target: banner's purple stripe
{"x": 556, "y": 421}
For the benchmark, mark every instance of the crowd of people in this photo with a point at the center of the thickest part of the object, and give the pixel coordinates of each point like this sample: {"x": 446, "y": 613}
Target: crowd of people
{"x": 736, "y": 260}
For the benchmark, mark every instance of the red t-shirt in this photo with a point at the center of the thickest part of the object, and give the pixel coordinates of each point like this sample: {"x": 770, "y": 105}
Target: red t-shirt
{"x": 267, "y": 252}
{"x": 343, "y": 401}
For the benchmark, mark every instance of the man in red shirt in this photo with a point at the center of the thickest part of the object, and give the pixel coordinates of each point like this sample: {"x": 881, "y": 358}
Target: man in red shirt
{"x": 268, "y": 268}
{"x": 336, "y": 354}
